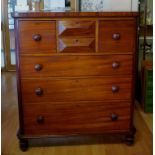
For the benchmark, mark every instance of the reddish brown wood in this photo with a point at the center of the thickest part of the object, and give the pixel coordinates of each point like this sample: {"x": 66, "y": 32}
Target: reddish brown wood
{"x": 78, "y": 89}
{"x": 80, "y": 117}
{"x": 70, "y": 65}
{"x": 20, "y": 105}
{"x": 70, "y": 14}
{"x": 37, "y": 37}
{"x": 76, "y": 28}
{"x": 76, "y": 45}
{"x": 117, "y": 36}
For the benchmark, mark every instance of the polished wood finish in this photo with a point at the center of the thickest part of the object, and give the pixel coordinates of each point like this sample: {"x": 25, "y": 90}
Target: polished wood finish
{"x": 76, "y": 44}
{"x": 117, "y": 38}
{"x": 97, "y": 120}
{"x": 77, "y": 89}
{"x": 76, "y": 36}
{"x": 67, "y": 74}
{"x": 85, "y": 28}
{"x": 70, "y": 14}
{"x": 75, "y": 65}
{"x": 100, "y": 145}
{"x": 34, "y": 36}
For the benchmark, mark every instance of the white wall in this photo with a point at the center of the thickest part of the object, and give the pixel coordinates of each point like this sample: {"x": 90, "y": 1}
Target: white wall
{"x": 110, "y": 5}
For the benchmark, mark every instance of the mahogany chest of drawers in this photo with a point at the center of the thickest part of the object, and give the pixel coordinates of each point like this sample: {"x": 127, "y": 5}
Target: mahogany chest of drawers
{"x": 75, "y": 73}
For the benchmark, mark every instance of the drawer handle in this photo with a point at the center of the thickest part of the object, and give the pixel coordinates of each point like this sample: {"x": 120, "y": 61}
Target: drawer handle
{"x": 115, "y": 89}
{"x": 115, "y": 65}
{"x": 40, "y": 119}
{"x": 38, "y": 67}
{"x": 116, "y": 36}
{"x": 114, "y": 117}
{"x": 39, "y": 91}
{"x": 37, "y": 37}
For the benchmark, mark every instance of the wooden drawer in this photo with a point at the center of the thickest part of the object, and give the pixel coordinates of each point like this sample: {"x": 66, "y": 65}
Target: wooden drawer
{"x": 37, "y": 37}
{"x": 76, "y": 89}
{"x": 76, "y": 45}
{"x": 76, "y": 28}
{"x": 76, "y": 36}
{"x": 117, "y": 36}
{"x": 60, "y": 118}
{"x": 31, "y": 66}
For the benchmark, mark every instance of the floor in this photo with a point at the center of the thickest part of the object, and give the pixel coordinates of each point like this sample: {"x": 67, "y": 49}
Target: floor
{"x": 143, "y": 123}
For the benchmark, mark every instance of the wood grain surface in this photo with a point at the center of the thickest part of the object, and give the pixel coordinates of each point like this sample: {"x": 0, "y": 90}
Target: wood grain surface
{"x": 68, "y": 94}
{"x": 76, "y": 28}
{"x": 76, "y": 45}
{"x": 70, "y": 14}
{"x": 126, "y": 42}
{"x": 76, "y": 89}
{"x": 28, "y": 29}
{"x": 70, "y": 65}
{"x": 62, "y": 118}
{"x": 101, "y": 145}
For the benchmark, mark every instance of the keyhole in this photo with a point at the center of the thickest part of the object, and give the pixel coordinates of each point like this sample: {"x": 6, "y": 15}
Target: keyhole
{"x": 76, "y": 40}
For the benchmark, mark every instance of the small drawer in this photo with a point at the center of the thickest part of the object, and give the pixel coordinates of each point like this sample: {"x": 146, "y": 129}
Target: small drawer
{"x": 71, "y": 65}
{"x": 77, "y": 89}
{"x": 61, "y": 118}
{"x": 76, "y": 28}
{"x": 117, "y": 36}
{"x": 76, "y": 45}
{"x": 37, "y": 37}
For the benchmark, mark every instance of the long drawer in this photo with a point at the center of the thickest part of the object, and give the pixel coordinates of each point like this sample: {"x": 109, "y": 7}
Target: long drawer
{"x": 76, "y": 89}
{"x": 53, "y": 66}
{"x": 60, "y": 118}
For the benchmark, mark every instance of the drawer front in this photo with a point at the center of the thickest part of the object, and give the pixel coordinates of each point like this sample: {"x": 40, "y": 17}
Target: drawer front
{"x": 76, "y": 89}
{"x": 76, "y": 28}
{"x": 37, "y": 36}
{"x": 117, "y": 36}
{"x": 62, "y": 118}
{"x": 75, "y": 65}
{"x": 76, "y": 45}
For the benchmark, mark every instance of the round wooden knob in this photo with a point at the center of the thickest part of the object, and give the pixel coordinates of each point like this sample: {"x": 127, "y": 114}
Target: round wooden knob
{"x": 115, "y": 89}
{"x": 39, "y": 91}
{"x": 116, "y": 36}
{"x": 38, "y": 67}
{"x": 40, "y": 119}
{"x": 37, "y": 37}
{"x": 115, "y": 65}
{"x": 114, "y": 117}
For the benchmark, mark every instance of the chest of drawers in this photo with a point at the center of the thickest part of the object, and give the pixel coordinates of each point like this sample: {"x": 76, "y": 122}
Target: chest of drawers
{"x": 75, "y": 73}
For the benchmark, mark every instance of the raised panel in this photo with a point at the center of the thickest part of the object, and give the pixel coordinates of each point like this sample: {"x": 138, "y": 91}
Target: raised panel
{"x": 76, "y": 45}
{"x": 76, "y": 28}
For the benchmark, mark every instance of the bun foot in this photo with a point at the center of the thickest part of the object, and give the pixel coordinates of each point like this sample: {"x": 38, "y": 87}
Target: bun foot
{"x": 130, "y": 137}
{"x": 23, "y": 144}
{"x": 129, "y": 140}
